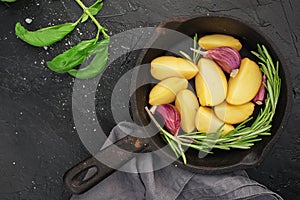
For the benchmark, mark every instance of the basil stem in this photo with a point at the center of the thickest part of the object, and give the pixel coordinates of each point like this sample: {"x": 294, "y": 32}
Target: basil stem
{"x": 8, "y": 1}
{"x": 99, "y": 58}
{"x": 93, "y": 9}
{"x": 72, "y": 57}
{"x": 45, "y": 36}
{"x": 100, "y": 28}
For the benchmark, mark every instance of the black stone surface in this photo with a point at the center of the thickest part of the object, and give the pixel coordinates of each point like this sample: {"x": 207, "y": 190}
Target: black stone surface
{"x": 38, "y": 141}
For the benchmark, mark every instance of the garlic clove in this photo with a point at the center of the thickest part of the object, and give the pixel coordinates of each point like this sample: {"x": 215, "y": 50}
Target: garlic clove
{"x": 228, "y": 58}
{"x": 261, "y": 94}
{"x": 170, "y": 115}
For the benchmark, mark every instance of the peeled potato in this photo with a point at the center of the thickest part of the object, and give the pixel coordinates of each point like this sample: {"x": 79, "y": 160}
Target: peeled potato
{"x": 168, "y": 66}
{"x": 187, "y": 104}
{"x": 245, "y": 85}
{"x": 234, "y": 114}
{"x": 213, "y": 41}
{"x": 164, "y": 92}
{"x": 206, "y": 121}
{"x": 211, "y": 83}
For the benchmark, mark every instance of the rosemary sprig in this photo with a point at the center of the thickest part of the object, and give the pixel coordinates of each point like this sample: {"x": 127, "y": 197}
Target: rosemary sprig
{"x": 196, "y": 56}
{"x": 242, "y": 137}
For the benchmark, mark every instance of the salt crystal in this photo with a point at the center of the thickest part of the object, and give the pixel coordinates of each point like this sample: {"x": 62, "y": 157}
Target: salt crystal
{"x": 28, "y": 20}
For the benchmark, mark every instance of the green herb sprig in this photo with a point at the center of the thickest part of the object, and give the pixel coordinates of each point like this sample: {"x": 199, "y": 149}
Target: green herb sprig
{"x": 93, "y": 51}
{"x": 196, "y": 56}
{"x": 8, "y": 1}
{"x": 242, "y": 137}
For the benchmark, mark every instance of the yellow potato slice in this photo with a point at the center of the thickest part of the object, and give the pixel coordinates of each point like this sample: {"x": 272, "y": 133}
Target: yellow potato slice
{"x": 234, "y": 114}
{"x": 245, "y": 85}
{"x": 213, "y": 41}
{"x": 169, "y": 66}
{"x": 211, "y": 83}
{"x": 165, "y": 91}
{"x": 206, "y": 121}
{"x": 187, "y": 104}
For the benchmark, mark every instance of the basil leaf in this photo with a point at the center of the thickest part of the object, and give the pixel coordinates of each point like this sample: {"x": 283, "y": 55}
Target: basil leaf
{"x": 93, "y": 9}
{"x": 99, "y": 59}
{"x": 8, "y": 1}
{"x": 84, "y": 17}
{"x": 45, "y": 36}
{"x": 72, "y": 57}
{"x": 96, "y": 8}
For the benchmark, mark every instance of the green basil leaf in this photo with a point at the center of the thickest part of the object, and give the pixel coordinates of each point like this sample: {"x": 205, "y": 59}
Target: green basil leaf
{"x": 45, "y": 36}
{"x": 84, "y": 17}
{"x": 8, "y": 1}
{"x": 93, "y": 9}
{"x": 72, "y": 57}
{"x": 99, "y": 59}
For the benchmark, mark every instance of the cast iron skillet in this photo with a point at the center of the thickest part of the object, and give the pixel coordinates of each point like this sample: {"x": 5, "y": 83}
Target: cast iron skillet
{"x": 220, "y": 161}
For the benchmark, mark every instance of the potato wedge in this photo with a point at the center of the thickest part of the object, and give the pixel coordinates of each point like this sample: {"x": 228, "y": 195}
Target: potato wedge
{"x": 187, "y": 104}
{"x": 213, "y": 41}
{"x": 211, "y": 83}
{"x": 234, "y": 114}
{"x": 169, "y": 66}
{"x": 165, "y": 91}
{"x": 245, "y": 85}
{"x": 206, "y": 121}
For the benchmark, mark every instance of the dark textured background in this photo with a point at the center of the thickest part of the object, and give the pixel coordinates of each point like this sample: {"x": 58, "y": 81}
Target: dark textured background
{"x": 38, "y": 141}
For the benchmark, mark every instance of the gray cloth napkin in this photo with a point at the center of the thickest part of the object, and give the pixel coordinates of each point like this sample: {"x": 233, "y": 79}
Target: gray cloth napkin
{"x": 172, "y": 183}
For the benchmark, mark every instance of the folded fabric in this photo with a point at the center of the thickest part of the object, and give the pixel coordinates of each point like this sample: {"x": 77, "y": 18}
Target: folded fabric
{"x": 171, "y": 182}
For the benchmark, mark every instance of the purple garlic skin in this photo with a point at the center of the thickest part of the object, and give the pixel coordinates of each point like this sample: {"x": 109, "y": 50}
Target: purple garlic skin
{"x": 171, "y": 117}
{"x": 261, "y": 94}
{"x": 229, "y": 59}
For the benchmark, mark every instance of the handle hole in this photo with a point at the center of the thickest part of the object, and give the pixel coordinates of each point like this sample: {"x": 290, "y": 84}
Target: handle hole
{"x": 85, "y": 175}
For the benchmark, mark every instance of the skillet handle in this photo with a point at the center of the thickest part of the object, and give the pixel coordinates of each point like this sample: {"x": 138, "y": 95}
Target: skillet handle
{"x": 112, "y": 154}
